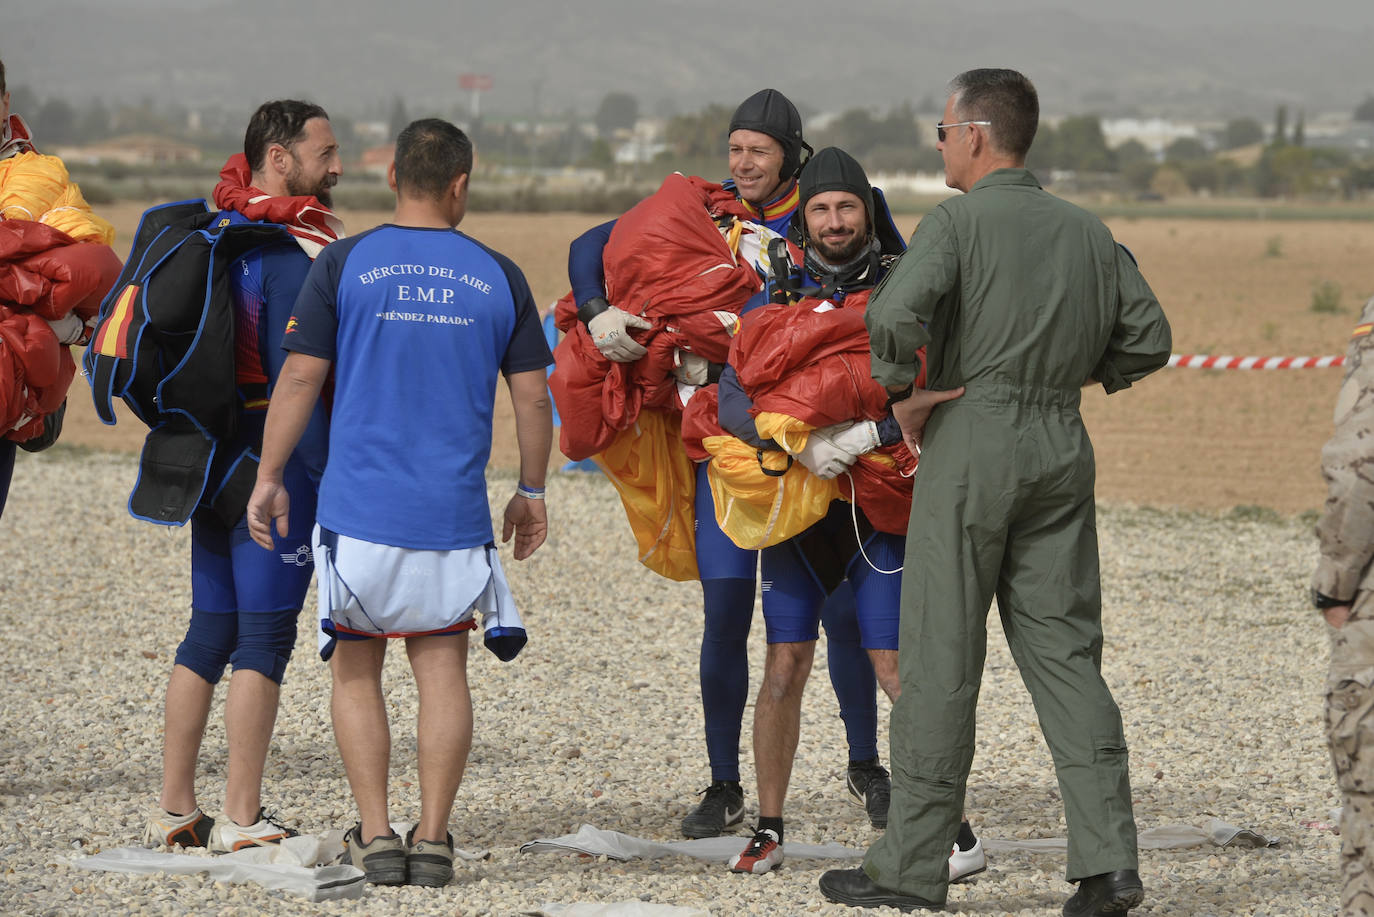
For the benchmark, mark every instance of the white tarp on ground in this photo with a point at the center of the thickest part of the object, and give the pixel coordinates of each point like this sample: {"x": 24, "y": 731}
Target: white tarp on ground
{"x": 614, "y": 845}
{"x": 306, "y": 865}
{"x": 616, "y": 909}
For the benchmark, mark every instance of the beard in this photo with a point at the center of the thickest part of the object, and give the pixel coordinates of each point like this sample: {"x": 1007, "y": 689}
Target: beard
{"x": 842, "y": 253}
{"x": 298, "y": 185}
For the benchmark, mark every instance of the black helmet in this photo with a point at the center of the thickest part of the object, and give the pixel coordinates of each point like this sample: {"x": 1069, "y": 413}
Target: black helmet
{"x": 832, "y": 169}
{"x": 769, "y": 112}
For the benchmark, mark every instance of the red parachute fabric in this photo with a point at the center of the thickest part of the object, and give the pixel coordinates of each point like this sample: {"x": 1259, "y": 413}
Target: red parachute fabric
{"x": 814, "y": 366}
{"x": 44, "y": 270}
{"x": 44, "y": 274}
{"x": 35, "y": 372}
{"x": 667, "y": 262}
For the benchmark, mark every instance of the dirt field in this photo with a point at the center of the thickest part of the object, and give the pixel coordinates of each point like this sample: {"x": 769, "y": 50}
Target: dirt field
{"x": 1187, "y": 438}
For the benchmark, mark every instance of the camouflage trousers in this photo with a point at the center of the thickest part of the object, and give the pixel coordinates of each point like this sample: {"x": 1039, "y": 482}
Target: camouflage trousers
{"x": 1350, "y": 730}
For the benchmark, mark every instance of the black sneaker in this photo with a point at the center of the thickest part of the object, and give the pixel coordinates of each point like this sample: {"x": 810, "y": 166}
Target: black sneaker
{"x": 721, "y": 807}
{"x": 870, "y": 787}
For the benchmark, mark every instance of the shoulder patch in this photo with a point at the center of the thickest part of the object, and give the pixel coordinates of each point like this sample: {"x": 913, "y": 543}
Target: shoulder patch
{"x": 1362, "y": 329}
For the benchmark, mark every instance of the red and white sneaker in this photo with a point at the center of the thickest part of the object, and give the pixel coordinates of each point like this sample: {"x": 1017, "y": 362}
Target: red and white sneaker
{"x": 763, "y": 853}
{"x": 966, "y": 863}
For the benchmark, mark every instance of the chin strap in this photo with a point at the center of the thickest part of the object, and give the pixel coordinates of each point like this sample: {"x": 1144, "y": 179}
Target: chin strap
{"x": 859, "y": 274}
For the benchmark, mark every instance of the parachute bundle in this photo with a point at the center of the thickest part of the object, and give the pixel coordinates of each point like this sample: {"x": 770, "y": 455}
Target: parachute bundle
{"x": 668, "y": 261}
{"x": 674, "y": 259}
{"x": 55, "y": 261}
{"x": 804, "y": 366}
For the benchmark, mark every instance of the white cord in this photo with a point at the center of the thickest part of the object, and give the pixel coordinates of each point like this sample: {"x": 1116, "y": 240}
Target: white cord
{"x": 854, "y": 514}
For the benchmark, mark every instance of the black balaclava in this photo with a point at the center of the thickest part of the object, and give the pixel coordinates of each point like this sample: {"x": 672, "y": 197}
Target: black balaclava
{"x": 832, "y": 169}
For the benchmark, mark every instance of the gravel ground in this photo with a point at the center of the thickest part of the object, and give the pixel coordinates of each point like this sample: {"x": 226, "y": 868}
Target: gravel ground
{"x": 1214, "y": 659}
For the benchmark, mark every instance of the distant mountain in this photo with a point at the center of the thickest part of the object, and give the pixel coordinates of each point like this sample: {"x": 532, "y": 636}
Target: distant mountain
{"x": 1169, "y": 58}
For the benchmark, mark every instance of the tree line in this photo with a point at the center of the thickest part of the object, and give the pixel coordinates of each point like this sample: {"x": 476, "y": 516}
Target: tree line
{"x": 1241, "y": 158}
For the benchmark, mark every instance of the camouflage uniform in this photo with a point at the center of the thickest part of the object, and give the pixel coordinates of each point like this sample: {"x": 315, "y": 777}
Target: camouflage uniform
{"x": 1346, "y": 535}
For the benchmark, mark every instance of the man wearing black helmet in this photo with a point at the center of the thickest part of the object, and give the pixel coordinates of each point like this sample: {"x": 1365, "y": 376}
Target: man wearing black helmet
{"x": 766, "y": 143}
{"x": 765, "y": 154}
{"x": 847, "y": 242}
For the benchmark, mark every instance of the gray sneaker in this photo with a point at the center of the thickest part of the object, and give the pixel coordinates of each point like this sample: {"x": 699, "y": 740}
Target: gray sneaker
{"x": 383, "y": 860}
{"x": 429, "y": 862}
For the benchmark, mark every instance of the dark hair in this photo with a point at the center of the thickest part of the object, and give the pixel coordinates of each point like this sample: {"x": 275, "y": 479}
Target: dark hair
{"x": 282, "y": 121}
{"x": 2, "y": 77}
{"x": 1004, "y": 97}
{"x": 430, "y": 154}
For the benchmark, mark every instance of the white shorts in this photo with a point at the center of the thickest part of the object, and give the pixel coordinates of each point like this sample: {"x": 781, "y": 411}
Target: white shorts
{"x": 377, "y": 590}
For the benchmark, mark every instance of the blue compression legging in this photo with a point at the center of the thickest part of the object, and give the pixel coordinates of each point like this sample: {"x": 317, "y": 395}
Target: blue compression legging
{"x": 7, "y": 450}
{"x": 727, "y": 587}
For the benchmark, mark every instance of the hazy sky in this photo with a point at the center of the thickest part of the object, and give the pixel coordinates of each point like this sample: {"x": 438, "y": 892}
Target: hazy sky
{"x": 1213, "y": 56}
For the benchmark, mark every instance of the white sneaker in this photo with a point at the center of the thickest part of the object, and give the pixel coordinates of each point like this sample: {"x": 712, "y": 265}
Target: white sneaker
{"x": 763, "y": 853}
{"x": 965, "y": 863}
{"x": 228, "y": 836}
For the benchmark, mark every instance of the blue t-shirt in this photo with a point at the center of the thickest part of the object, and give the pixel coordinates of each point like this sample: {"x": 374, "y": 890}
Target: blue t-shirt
{"x": 418, "y": 323}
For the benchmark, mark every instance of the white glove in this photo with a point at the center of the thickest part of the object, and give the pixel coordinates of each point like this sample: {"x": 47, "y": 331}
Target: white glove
{"x": 822, "y": 457}
{"x": 609, "y": 331}
{"x": 690, "y": 369}
{"x": 69, "y": 328}
{"x": 858, "y": 438}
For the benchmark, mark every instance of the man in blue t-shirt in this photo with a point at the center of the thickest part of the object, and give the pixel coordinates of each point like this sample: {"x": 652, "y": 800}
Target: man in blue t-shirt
{"x": 417, "y": 321}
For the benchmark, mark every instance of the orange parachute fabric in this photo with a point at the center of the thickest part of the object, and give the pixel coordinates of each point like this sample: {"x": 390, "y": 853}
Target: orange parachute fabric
{"x": 37, "y": 187}
{"x": 655, "y": 479}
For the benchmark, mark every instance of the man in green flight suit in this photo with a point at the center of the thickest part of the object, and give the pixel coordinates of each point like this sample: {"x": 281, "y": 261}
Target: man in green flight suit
{"x": 1022, "y": 299}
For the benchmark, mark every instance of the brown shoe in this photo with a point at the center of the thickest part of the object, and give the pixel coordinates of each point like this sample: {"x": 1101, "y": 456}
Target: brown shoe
{"x": 383, "y": 859}
{"x": 429, "y": 862}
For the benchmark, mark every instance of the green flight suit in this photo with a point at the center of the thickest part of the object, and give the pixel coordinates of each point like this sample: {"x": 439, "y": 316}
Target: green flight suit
{"x": 1022, "y": 298}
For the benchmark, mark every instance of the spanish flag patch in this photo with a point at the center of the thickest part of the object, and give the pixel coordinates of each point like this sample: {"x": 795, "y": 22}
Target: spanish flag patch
{"x": 112, "y": 340}
{"x": 1362, "y": 329}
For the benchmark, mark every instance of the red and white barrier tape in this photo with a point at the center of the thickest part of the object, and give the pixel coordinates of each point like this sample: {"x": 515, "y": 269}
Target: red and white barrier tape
{"x": 1203, "y": 361}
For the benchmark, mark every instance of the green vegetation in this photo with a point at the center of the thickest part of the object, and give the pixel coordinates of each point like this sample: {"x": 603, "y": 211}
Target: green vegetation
{"x": 1326, "y": 297}
{"x": 1251, "y": 513}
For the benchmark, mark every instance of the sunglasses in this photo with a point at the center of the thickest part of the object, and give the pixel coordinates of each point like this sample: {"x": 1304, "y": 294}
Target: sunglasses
{"x": 940, "y": 128}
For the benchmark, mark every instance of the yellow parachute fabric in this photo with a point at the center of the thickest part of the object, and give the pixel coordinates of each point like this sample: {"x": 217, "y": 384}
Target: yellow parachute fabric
{"x": 37, "y": 187}
{"x": 761, "y": 506}
{"x": 649, "y": 467}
